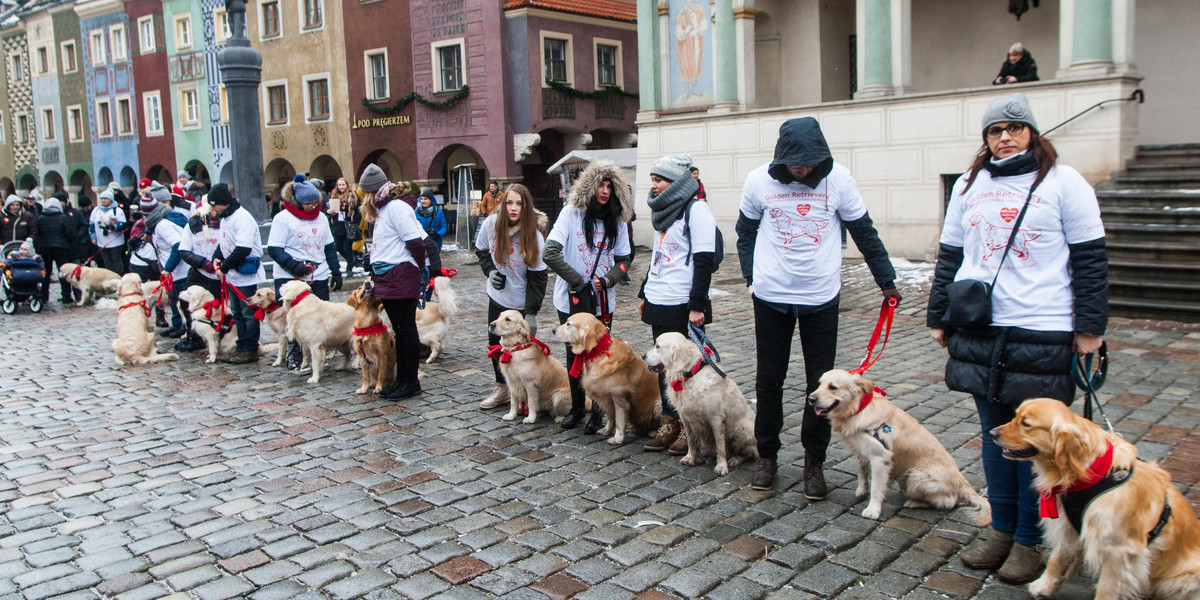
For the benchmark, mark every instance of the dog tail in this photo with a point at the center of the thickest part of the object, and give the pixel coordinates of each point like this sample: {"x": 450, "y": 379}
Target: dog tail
{"x": 445, "y": 297}
{"x": 983, "y": 510}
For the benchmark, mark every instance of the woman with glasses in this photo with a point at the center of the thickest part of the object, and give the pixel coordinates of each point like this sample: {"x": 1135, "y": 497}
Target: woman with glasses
{"x": 1049, "y": 299}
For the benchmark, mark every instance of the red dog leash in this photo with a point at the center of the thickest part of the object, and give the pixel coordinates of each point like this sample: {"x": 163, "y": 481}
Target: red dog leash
{"x": 886, "y": 313}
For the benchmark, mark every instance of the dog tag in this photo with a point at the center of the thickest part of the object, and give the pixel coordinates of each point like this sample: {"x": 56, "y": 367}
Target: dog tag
{"x": 1120, "y": 475}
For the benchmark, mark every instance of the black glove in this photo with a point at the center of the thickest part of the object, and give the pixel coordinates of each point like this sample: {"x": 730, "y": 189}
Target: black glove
{"x": 497, "y": 279}
{"x": 300, "y": 269}
{"x": 335, "y": 281}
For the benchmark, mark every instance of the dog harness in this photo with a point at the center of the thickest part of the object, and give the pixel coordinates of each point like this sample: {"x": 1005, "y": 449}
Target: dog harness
{"x": 677, "y": 384}
{"x": 261, "y": 314}
{"x": 503, "y": 355}
{"x": 863, "y": 403}
{"x": 1097, "y": 472}
{"x": 602, "y": 346}
{"x": 141, "y": 303}
{"x": 378, "y": 328}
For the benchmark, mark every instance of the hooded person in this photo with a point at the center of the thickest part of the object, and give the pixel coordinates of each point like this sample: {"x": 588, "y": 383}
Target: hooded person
{"x": 674, "y": 293}
{"x": 238, "y": 260}
{"x": 598, "y": 209}
{"x": 16, "y": 223}
{"x": 790, "y": 250}
{"x": 431, "y": 216}
{"x": 57, "y": 243}
{"x": 79, "y": 224}
{"x": 302, "y": 246}
{"x": 105, "y": 227}
{"x": 165, "y": 228}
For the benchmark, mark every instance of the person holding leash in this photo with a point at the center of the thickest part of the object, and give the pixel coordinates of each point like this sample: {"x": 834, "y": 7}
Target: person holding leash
{"x": 238, "y": 260}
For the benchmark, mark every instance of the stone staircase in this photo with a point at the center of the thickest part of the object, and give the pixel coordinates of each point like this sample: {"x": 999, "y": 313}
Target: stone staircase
{"x": 1151, "y": 215}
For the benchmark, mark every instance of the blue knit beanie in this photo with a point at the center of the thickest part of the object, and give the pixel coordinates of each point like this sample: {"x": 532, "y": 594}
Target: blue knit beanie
{"x": 305, "y": 192}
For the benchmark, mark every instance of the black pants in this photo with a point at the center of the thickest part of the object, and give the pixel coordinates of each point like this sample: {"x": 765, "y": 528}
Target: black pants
{"x": 113, "y": 259}
{"x": 773, "y": 332}
{"x": 494, "y": 311}
{"x": 346, "y": 248}
{"x": 403, "y": 315}
{"x": 54, "y": 259}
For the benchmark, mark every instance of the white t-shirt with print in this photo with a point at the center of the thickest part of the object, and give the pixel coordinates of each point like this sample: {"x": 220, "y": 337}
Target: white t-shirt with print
{"x": 166, "y": 236}
{"x": 1034, "y": 287}
{"x": 669, "y": 280}
{"x": 303, "y": 241}
{"x": 111, "y": 217}
{"x": 240, "y": 229}
{"x": 397, "y": 223}
{"x": 201, "y": 243}
{"x": 513, "y": 294}
{"x": 798, "y": 249}
{"x": 144, "y": 256}
{"x": 568, "y": 231}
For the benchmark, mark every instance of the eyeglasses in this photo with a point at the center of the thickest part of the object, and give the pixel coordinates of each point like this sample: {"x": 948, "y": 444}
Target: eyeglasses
{"x": 995, "y": 131}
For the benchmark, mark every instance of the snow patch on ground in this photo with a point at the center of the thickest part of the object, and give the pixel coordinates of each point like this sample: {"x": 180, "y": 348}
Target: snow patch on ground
{"x": 108, "y": 304}
{"x": 917, "y": 274}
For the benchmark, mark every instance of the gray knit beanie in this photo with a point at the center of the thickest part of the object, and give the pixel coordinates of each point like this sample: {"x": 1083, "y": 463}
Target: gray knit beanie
{"x": 672, "y": 168}
{"x": 1009, "y": 109}
{"x": 160, "y": 193}
{"x": 372, "y": 179}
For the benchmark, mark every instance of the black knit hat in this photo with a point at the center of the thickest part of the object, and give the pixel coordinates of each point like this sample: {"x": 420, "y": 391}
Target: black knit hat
{"x": 220, "y": 195}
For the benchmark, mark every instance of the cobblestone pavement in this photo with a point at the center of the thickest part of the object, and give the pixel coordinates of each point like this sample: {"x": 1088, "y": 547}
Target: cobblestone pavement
{"x": 225, "y": 481}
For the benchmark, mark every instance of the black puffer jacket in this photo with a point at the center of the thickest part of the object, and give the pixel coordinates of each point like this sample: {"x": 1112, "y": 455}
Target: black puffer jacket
{"x": 57, "y": 231}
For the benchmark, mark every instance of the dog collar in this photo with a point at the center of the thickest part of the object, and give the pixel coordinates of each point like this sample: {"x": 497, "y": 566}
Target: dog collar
{"x": 602, "y": 346}
{"x": 141, "y": 303}
{"x": 677, "y": 384}
{"x": 378, "y": 328}
{"x": 299, "y": 297}
{"x": 261, "y": 314}
{"x": 1096, "y": 473}
{"x": 866, "y": 399}
{"x": 504, "y": 355}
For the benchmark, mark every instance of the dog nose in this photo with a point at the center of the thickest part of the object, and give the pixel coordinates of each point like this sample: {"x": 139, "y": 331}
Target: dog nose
{"x": 811, "y": 400}
{"x": 995, "y": 433}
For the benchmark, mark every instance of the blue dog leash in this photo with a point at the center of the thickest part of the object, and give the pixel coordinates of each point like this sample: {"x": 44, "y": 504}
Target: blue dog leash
{"x": 1091, "y": 381}
{"x": 708, "y": 352}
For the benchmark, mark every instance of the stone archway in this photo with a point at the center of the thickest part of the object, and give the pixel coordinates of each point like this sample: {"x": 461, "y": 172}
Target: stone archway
{"x": 52, "y": 183}
{"x": 277, "y": 173}
{"x": 26, "y": 182}
{"x": 128, "y": 178}
{"x": 326, "y": 169}
{"x": 7, "y": 187}
{"x": 81, "y": 185}
{"x": 198, "y": 171}
{"x": 387, "y": 160}
{"x": 104, "y": 176}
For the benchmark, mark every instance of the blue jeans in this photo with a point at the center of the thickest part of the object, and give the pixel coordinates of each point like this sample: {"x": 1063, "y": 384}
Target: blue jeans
{"x": 1010, "y": 482}
{"x": 243, "y": 318}
{"x": 173, "y": 303}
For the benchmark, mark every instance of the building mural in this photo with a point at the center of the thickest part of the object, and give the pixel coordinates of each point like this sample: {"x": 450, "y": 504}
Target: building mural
{"x": 691, "y": 55}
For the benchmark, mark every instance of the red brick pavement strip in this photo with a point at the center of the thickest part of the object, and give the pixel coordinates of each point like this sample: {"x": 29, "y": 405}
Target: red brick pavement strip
{"x": 748, "y": 548}
{"x": 462, "y": 569}
{"x": 952, "y": 584}
{"x": 243, "y": 562}
{"x": 418, "y": 478}
{"x": 656, "y": 595}
{"x": 348, "y": 475}
{"x": 559, "y": 586}
{"x": 277, "y": 443}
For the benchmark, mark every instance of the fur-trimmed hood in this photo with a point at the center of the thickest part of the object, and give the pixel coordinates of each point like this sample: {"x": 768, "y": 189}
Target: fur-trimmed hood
{"x": 583, "y": 191}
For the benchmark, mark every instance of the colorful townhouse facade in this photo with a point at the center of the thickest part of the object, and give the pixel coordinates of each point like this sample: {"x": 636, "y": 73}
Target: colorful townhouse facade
{"x": 187, "y": 74}
{"x": 72, "y": 90}
{"x": 111, "y": 91}
{"x": 47, "y": 104}
{"x": 148, "y": 53}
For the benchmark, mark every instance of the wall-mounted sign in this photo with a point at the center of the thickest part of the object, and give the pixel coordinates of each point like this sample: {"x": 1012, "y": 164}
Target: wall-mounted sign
{"x": 380, "y": 122}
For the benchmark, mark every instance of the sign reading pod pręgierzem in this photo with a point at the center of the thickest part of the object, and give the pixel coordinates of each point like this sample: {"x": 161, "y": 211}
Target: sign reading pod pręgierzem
{"x": 380, "y": 122}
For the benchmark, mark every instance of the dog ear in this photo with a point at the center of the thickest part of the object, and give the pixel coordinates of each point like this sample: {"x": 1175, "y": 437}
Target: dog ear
{"x": 522, "y": 328}
{"x": 1071, "y": 450}
{"x": 355, "y": 298}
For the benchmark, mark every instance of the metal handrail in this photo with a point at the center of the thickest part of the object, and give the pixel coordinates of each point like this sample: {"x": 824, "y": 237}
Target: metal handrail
{"x": 1137, "y": 94}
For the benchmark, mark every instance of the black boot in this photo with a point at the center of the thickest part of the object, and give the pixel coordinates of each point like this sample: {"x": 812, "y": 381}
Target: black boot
{"x": 594, "y": 424}
{"x": 573, "y": 418}
{"x": 295, "y": 357}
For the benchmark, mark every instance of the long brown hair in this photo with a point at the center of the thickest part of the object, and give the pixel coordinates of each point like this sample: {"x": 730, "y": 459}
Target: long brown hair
{"x": 1043, "y": 151}
{"x": 528, "y": 222}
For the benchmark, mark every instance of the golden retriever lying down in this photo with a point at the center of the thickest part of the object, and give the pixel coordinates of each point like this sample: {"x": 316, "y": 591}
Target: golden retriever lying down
{"x": 433, "y": 321}
{"x": 889, "y": 444}
{"x": 275, "y": 316}
{"x": 715, "y": 415}
{"x": 533, "y": 377}
{"x": 372, "y": 341}
{"x": 205, "y": 317}
{"x": 317, "y": 325}
{"x": 135, "y": 342}
{"x": 613, "y": 377}
{"x": 92, "y": 282}
{"x": 1117, "y": 526}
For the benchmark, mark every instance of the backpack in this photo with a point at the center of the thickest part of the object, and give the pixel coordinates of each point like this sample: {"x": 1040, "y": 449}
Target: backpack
{"x": 719, "y": 249}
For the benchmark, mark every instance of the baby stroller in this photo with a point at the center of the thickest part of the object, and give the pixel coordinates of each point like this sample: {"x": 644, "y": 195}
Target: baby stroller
{"x": 21, "y": 277}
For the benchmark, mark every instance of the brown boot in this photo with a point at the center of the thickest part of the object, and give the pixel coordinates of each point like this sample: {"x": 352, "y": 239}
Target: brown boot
{"x": 668, "y": 432}
{"x": 1023, "y": 565}
{"x": 814, "y": 478}
{"x": 764, "y": 475}
{"x": 989, "y": 553}
{"x": 680, "y": 447}
{"x": 498, "y": 398}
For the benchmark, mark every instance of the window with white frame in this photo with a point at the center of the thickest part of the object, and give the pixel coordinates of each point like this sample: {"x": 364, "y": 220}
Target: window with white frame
{"x": 124, "y": 116}
{"x": 75, "y": 123}
{"x": 99, "y": 56}
{"x": 183, "y": 32}
{"x": 189, "y": 107}
{"x": 116, "y": 39}
{"x": 271, "y": 25}
{"x": 277, "y": 102}
{"x": 221, "y": 25}
{"x": 146, "y": 38}
{"x": 608, "y": 63}
{"x": 17, "y": 66}
{"x": 316, "y": 92}
{"x": 313, "y": 16}
{"x": 152, "y": 110}
{"x": 42, "y": 60}
{"x": 70, "y": 61}
{"x": 23, "y": 128}
{"x": 448, "y": 65}
{"x": 556, "y": 58}
{"x": 103, "y": 118}
{"x": 48, "y": 129}
{"x": 377, "y": 74}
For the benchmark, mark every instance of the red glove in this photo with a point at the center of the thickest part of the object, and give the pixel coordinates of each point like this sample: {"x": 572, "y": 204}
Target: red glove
{"x": 209, "y": 268}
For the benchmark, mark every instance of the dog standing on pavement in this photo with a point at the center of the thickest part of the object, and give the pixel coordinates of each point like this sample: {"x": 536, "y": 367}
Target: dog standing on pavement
{"x": 317, "y": 325}
{"x": 274, "y": 315}
{"x": 135, "y": 342}
{"x": 373, "y": 342}
{"x": 433, "y": 321}
{"x": 92, "y": 282}
{"x": 890, "y": 444}
{"x": 534, "y": 379}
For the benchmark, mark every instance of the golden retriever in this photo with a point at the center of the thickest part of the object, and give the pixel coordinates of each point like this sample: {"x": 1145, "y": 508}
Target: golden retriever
{"x": 613, "y": 376}
{"x": 534, "y": 379}
{"x": 433, "y": 321}
{"x": 92, "y": 282}
{"x": 716, "y": 417}
{"x": 890, "y": 444}
{"x": 135, "y": 342}
{"x": 1116, "y": 524}
{"x": 372, "y": 341}
{"x": 206, "y": 314}
{"x": 275, "y": 316}
{"x": 317, "y": 325}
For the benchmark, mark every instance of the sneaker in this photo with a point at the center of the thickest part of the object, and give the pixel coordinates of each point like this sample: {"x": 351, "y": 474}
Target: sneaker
{"x": 680, "y": 446}
{"x": 814, "y": 478}
{"x": 668, "y": 432}
{"x": 175, "y": 332}
{"x": 407, "y": 390}
{"x": 295, "y": 357}
{"x": 764, "y": 475}
{"x": 498, "y": 398}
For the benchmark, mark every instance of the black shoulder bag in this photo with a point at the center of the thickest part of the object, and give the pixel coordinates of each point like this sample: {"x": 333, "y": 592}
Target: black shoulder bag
{"x": 969, "y": 301}
{"x": 583, "y": 298}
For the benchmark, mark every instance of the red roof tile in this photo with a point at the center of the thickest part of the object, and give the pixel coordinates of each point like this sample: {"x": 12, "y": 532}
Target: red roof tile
{"x": 605, "y": 9}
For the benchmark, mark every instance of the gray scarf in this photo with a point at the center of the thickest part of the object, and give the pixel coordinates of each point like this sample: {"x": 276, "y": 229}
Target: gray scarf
{"x": 667, "y": 207}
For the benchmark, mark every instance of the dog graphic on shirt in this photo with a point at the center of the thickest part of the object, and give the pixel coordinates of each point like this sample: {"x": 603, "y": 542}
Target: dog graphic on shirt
{"x": 793, "y": 229}
{"x": 994, "y": 238}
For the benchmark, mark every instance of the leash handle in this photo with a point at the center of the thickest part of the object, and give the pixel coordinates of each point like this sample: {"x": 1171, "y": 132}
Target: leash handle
{"x": 1090, "y": 381}
{"x": 701, "y": 340}
{"x": 887, "y": 313}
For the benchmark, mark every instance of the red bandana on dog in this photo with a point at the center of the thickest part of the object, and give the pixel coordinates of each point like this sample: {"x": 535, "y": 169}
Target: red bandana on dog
{"x": 602, "y": 345}
{"x": 505, "y": 356}
{"x": 261, "y": 314}
{"x": 865, "y": 401}
{"x": 1098, "y": 469}
{"x": 299, "y": 297}
{"x": 377, "y": 329}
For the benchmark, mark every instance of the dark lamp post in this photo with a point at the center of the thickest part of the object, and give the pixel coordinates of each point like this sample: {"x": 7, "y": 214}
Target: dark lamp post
{"x": 241, "y": 71}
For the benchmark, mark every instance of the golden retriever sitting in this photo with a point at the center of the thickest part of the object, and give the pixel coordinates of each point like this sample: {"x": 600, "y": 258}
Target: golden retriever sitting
{"x": 1125, "y": 534}
{"x": 889, "y": 444}
{"x": 135, "y": 342}
{"x": 433, "y": 321}
{"x": 613, "y": 376}
{"x": 716, "y": 417}
{"x": 274, "y": 315}
{"x": 372, "y": 341}
{"x": 535, "y": 379}
{"x": 317, "y": 325}
{"x": 206, "y": 314}
{"x": 93, "y": 282}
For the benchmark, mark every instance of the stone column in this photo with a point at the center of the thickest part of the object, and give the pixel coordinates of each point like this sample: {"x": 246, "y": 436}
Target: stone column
{"x": 743, "y": 15}
{"x": 1095, "y": 37}
{"x": 664, "y": 54}
{"x": 241, "y": 71}
{"x": 884, "y": 34}
{"x": 725, "y": 54}
{"x": 648, "y": 64}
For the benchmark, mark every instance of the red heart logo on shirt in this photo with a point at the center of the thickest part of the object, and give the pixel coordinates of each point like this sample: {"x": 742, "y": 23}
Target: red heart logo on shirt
{"x": 1008, "y": 214}
{"x": 212, "y": 240}
{"x": 314, "y": 231}
{"x": 803, "y": 209}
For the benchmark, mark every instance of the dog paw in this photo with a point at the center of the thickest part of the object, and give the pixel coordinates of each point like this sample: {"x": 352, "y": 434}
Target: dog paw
{"x": 531, "y": 419}
{"x": 1042, "y": 587}
{"x": 872, "y": 512}
{"x": 687, "y": 460}
{"x": 314, "y": 379}
{"x": 277, "y": 363}
{"x": 510, "y": 416}
{"x": 721, "y": 469}
{"x": 616, "y": 441}
{"x": 361, "y": 390}
{"x": 211, "y": 360}
{"x": 607, "y": 430}
{"x": 860, "y": 491}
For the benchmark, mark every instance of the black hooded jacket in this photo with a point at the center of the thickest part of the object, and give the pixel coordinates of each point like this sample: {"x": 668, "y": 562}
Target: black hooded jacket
{"x": 1024, "y": 70}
